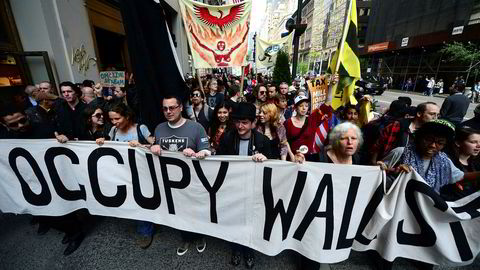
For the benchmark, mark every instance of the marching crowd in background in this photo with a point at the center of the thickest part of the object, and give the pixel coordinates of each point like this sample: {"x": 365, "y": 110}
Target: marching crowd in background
{"x": 259, "y": 119}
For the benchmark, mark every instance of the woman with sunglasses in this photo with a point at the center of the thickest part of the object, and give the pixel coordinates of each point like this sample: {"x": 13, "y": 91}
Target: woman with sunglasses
{"x": 95, "y": 125}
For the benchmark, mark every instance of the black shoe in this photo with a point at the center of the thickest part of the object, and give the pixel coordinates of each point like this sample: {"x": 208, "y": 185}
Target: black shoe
{"x": 65, "y": 239}
{"x": 73, "y": 245}
{"x": 236, "y": 259}
{"x": 249, "y": 261}
{"x": 42, "y": 229}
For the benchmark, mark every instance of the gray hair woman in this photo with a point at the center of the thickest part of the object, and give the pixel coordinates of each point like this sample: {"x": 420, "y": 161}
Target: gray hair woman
{"x": 344, "y": 141}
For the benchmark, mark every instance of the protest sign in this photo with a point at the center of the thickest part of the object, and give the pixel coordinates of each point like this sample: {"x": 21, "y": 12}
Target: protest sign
{"x": 217, "y": 35}
{"x": 112, "y": 78}
{"x": 267, "y": 50}
{"x": 320, "y": 210}
{"x": 318, "y": 88}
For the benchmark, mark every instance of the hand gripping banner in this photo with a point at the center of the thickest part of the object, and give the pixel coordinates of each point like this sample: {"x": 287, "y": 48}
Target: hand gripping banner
{"x": 320, "y": 210}
{"x": 217, "y": 35}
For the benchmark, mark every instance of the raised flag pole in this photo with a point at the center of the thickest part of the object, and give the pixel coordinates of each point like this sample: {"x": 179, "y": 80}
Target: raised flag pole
{"x": 199, "y": 80}
{"x": 333, "y": 88}
{"x": 241, "y": 81}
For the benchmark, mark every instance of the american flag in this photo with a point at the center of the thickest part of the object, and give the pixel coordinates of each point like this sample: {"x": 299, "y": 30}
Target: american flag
{"x": 321, "y": 132}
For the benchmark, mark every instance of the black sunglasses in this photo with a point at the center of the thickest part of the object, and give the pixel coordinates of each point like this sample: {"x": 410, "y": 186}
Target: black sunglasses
{"x": 22, "y": 122}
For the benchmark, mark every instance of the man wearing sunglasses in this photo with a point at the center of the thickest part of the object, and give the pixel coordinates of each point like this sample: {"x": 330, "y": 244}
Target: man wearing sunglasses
{"x": 261, "y": 95}
{"x": 180, "y": 134}
{"x": 15, "y": 123}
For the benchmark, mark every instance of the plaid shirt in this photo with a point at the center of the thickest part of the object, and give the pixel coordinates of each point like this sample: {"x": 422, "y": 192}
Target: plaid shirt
{"x": 388, "y": 139}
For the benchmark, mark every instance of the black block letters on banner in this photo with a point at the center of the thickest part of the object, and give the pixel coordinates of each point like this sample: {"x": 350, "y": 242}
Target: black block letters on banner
{"x": 45, "y": 197}
{"x": 426, "y": 237}
{"x": 147, "y": 203}
{"x": 272, "y": 212}
{"x": 183, "y": 183}
{"x": 115, "y": 200}
{"x": 62, "y": 191}
{"x": 212, "y": 190}
{"x": 312, "y": 212}
{"x": 343, "y": 241}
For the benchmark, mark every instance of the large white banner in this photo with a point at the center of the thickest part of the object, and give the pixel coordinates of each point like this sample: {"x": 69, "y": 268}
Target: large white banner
{"x": 319, "y": 210}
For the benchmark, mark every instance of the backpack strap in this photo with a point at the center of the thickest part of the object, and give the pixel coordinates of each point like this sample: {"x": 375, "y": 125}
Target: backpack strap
{"x": 141, "y": 138}
{"x": 304, "y": 127}
{"x": 114, "y": 134}
{"x": 205, "y": 112}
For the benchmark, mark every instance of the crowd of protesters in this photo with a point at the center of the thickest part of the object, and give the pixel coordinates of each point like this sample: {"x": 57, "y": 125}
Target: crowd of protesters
{"x": 259, "y": 119}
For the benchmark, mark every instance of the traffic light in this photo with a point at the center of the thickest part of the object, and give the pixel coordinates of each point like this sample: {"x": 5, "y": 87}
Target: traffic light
{"x": 290, "y": 26}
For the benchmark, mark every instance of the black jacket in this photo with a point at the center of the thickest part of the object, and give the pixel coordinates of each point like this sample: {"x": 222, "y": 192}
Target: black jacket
{"x": 454, "y": 108}
{"x": 70, "y": 122}
{"x": 230, "y": 142}
{"x": 43, "y": 123}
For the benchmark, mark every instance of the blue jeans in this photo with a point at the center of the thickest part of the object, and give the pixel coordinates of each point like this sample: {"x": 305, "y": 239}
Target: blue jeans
{"x": 145, "y": 228}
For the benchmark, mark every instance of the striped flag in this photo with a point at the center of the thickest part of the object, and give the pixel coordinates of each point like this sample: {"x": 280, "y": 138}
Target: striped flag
{"x": 349, "y": 65}
{"x": 321, "y": 132}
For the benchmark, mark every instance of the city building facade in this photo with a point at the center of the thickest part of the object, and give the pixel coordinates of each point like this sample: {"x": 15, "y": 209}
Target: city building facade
{"x": 56, "y": 40}
{"x": 407, "y": 45}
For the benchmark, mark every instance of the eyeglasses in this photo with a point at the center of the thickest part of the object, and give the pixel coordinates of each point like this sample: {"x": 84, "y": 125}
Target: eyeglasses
{"x": 196, "y": 95}
{"x": 98, "y": 115}
{"x": 262, "y": 92}
{"x": 438, "y": 141}
{"x": 171, "y": 108}
{"x": 17, "y": 124}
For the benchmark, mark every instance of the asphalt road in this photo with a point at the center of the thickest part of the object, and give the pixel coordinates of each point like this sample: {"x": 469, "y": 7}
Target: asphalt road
{"x": 110, "y": 245}
{"x": 390, "y": 95}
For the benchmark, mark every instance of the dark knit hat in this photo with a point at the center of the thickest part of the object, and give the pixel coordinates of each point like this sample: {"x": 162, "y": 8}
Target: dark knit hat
{"x": 438, "y": 127}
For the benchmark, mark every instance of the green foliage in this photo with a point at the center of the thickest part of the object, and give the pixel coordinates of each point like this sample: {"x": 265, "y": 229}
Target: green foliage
{"x": 462, "y": 52}
{"x": 467, "y": 53}
{"x": 302, "y": 68}
{"x": 281, "y": 71}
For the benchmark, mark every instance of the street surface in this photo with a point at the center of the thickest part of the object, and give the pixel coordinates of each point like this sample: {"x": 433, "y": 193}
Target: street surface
{"x": 390, "y": 95}
{"x": 110, "y": 245}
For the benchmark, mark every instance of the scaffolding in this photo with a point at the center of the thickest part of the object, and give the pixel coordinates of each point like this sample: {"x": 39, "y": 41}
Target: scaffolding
{"x": 416, "y": 64}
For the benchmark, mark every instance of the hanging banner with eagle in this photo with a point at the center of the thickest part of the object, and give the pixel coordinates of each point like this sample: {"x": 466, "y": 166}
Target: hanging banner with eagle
{"x": 217, "y": 35}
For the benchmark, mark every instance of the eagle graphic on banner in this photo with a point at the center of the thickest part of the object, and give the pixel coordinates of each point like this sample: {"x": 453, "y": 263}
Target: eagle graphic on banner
{"x": 234, "y": 15}
{"x": 217, "y": 35}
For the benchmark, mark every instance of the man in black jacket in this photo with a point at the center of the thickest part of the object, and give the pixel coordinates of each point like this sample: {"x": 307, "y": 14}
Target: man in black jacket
{"x": 455, "y": 107}
{"x": 69, "y": 113}
{"x": 244, "y": 141}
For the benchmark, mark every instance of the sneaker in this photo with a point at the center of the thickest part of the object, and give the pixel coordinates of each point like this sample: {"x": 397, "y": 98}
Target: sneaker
{"x": 236, "y": 259}
{"x": 144, "y": 241}
{"x": 201, "y": 245}
{"x": 183, "y": 249}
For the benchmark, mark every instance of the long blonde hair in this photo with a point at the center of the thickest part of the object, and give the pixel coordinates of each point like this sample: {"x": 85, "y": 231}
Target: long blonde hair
{"x": 271, "y": 110}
